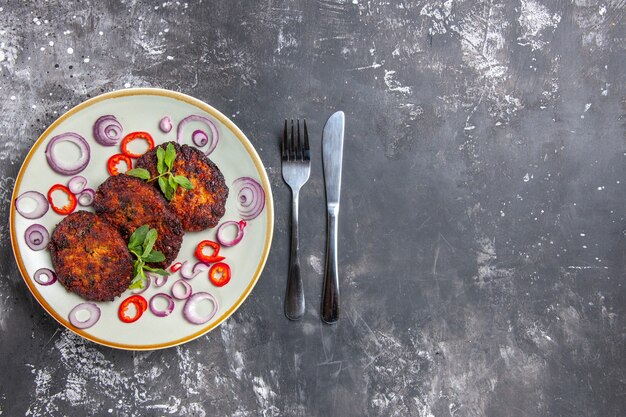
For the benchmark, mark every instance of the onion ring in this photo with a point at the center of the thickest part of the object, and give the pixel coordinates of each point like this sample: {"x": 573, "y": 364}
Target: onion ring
{"x": 45, "y": 272}
{"x": 161, "y": 313}
{"x": 107, "y": 130}
{"x": 220, "y": 233}
{"x": 37, "y": 237}
{"x": 181, "y": 293}
{"x": 250, "y": 197}
{"x": 86, "y": 197}
{"x": 189, "y": 310}
{"x": 94, "y": 315}
{"x": 215, "y": 137}
{"x": 41, "y": 205}
{"x": 77, "y": 184}
{"x": 68, "y": 168}
{"x": 188, "y": 272}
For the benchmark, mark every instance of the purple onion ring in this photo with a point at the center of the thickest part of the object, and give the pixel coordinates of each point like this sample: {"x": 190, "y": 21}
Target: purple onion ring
{"x": 68, "y": 168}
{"x": 161, "y": 313}
{"x": 77, "y": 184}
{"x": 188, "y": 272}
{"x": 250, "y": 197}
{"x": 94, "y": 315}
{"x": 37, "y": 237}
{"x": 107, "y": 130}
{"x": 41, "y": 205}
{"x": 86, "y": 197}
{"x": 221, "y": 231}
{"x": 189, "y": 310}
{"x": 159, "y": 280}
{"x": 181, "y": 290}
{"x": 215, "y": 137}
{"x": 50, "y": 276}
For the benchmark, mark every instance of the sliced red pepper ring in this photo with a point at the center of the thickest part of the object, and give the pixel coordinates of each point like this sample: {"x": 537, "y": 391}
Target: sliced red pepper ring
{"x": 115, "y": 160}
{"x": 219, "y": 274}
{"x": 208, "y": 259}
{"x": 72, "y": 200}
{"x": 175, "y": 267}
{"x": 140, "y": 304}
{"x": 135, "y": 136}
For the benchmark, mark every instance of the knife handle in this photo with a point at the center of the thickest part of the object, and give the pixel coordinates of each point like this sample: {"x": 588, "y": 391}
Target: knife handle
{"x": 330, "y": 295}
{"x": 294, "y": 298}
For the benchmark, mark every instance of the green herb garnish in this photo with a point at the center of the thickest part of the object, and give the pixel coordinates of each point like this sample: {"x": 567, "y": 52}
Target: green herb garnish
{"x": 168, "y": 182}
{"x": 141, "y": 244}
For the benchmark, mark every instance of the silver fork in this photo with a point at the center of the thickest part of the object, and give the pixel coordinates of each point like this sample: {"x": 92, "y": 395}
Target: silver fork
{"x": 296, "y": 167}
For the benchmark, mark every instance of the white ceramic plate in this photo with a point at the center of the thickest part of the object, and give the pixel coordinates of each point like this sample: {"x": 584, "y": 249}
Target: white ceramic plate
{"x": 141, "y": 110}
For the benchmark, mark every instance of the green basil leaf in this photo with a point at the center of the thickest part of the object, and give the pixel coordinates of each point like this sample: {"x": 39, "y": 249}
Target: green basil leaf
{"x": 172, "y": 182}
{"x": 148, "y": 244}
{"x": 136, "y": 285}
{"x": 170, "y": 155}
{"x": 140, "y": 173}
{"x": 163, "y": 185}
{"x": 160, "y": 160}
{"x": 137, "y": 238}
{"x": 158, "y": 271}
{"x": 154, "y": 256}
{"x": 183, "y": 182}
{"x": 169, "y": 192}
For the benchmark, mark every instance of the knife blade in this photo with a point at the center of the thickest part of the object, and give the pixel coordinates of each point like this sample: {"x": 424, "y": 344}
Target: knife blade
{"x": 332, "y": 158}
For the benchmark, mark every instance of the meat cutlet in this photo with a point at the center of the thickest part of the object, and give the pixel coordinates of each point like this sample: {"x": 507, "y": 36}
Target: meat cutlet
{"x": 128, "y": 203}
{"x": 90, "y": 257}
{"x": 204, "y": 205}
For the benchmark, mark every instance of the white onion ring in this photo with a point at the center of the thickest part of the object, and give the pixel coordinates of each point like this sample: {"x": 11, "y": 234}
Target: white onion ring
{"x": 165, "y": 124}
{"x": 68, "y": 168}
{"x": 86, "y": 197}
{"x": 94, "y": 315}
{"x": 37, "y": 237}
{"x": 77, "y": 184}
{"x": 215, "y": 137}
{"x": 250, "y": 197}
{"x": 190, "y": 313}
{"x": 40, "y": 209}
{"x": 161, "y": 313}
{"x": 107, "y": 130}
{"x": 182, "y": 294}
{"x": 220, "y": 233}
{"x": 52, "y": 276}
{"x": 188, "y": 272}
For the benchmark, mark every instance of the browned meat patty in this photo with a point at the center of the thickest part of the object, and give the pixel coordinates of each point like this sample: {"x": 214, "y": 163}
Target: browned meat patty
{"x": 128, "y": 203}
{"x": 204, "y": 205}
{"x": 90, "y": 257}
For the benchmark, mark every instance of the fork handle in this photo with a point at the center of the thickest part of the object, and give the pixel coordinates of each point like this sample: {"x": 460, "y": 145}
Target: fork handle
{"x": 330, "y": 295}
{"x": 294, "y": 298}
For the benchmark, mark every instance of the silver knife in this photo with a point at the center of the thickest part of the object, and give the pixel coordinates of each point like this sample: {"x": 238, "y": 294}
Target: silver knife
{"x": 332, "y": 156}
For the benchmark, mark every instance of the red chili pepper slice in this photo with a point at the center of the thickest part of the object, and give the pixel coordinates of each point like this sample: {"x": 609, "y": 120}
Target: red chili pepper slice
{"x": 140, "y": 304}
{"x": 134, "y": 136}
{"x": 175, "y": 267}
{"x": 208, "y": 259}
{"x": 116, "y": 159}
{"x": 70, "y": 206}
{"x": 219, "y": 274}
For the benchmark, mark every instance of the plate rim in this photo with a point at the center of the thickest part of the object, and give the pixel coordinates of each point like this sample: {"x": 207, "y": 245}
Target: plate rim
{"x": 258, "y": 163}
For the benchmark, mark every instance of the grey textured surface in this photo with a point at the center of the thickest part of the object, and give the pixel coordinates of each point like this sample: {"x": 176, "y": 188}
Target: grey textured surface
{"x": 481, "y": 232}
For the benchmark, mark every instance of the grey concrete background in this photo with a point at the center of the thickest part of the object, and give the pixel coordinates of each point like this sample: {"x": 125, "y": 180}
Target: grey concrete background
{"x": 482, "y": 228}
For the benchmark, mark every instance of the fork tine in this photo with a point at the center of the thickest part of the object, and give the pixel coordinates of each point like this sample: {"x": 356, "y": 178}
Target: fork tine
{"x": 298, "y": 144}
{"x": 283, "y": 144}
{"x": 291, "y": 144}
{"x": 306, "y": 152}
